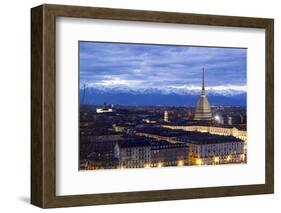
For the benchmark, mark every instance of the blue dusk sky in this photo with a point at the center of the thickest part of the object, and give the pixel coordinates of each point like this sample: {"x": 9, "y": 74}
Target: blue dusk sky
{"x": 142, "y": 66}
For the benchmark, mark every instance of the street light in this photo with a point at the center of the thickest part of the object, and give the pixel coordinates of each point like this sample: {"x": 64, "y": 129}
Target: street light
{"x": 146, "y": 166}
{"x": 228, "y": 158}
{"x": 216, "y": 159}
{"x": 160, "y": 164}
{"x": 242, "y": 157}
{"x": 198, "y": 161}
{"x": 180, "y": 163}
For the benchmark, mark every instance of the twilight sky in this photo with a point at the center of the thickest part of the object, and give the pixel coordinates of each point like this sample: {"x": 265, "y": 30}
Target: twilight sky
{"x": 140, "y": 66}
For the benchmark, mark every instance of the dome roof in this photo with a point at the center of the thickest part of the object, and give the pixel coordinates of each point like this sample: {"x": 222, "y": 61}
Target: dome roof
{"x": 203, "y": 109}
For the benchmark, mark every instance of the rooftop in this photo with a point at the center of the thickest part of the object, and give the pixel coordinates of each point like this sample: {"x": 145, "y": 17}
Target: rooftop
{"x": 206, "y": 138}
{"x": 138, "y": 141}
{"x": 162, "y": 131}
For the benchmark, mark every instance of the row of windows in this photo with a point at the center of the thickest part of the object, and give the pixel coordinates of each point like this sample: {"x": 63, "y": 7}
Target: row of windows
{"x": 218, "y": 146}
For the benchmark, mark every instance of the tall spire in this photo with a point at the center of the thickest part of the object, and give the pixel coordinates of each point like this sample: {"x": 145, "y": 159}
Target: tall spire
{"x": 203, "y": 81}
{"x": 203, "y": 109}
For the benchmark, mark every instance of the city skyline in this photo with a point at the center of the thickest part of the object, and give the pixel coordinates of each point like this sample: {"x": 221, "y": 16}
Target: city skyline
{"x": 167, "y": 68}
{"x": 135, "y": 106}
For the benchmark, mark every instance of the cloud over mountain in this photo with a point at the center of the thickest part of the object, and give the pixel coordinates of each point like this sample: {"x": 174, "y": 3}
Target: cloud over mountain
{"x": 142, "y": 69}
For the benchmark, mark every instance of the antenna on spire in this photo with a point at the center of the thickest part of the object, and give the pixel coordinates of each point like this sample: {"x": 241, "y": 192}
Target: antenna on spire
{"x": 203, "y": 81}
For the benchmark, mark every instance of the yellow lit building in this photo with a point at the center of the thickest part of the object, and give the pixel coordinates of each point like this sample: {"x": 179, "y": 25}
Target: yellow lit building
{"x": 241, "y": 134}
{"x": 213, "y": 150}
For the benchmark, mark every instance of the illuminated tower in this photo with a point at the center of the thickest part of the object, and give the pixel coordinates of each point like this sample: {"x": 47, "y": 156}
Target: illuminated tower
{"x": 229, "y": 120}
{"x": 166, "y": 116}
{"x": 203, "y": 109}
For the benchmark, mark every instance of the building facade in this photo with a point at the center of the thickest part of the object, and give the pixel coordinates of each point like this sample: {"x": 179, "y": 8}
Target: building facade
{"x": 135, "y": 154}
{"x": 169, "y": 154}
{"x": 152, "y": 153}
{"x": 216, "y": 153}
{"x": 241, "y": 134}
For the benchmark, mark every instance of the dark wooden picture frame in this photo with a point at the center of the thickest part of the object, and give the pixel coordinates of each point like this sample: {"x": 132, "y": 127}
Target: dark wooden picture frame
{"x": 43, "y": 105}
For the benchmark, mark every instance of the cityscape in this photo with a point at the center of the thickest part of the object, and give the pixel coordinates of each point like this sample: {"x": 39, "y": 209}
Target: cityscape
{"x": 188, "y": 113}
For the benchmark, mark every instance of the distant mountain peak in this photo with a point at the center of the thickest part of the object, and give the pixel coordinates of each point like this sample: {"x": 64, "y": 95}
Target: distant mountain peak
{"x": 184, "y": 90}
{"x": 155, "y": 96}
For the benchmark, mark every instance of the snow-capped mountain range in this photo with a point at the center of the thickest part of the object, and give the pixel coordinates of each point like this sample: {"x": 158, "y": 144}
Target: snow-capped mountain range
{"x": 167, "y": 96}
{"x": 169, "y": 90}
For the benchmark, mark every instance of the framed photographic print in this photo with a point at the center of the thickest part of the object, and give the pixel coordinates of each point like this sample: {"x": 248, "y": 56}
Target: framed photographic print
{"x": 136, "y": 106}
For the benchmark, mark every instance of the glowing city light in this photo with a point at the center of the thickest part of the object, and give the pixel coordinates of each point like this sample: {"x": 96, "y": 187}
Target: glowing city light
{"x": 199, "y": 161}
{"x": 160, "y": 164}
{"x": 217, "y": 118}
{"x": 146, "y": 166}
{"x": 242, "y": 157}
{"x": 180, "y": 163}
{"x": 228, "y": 158}
{"x": 216, "y": 159}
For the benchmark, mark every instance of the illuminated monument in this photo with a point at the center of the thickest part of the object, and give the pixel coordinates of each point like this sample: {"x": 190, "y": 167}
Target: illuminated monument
{"x": 203, "y": 109}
